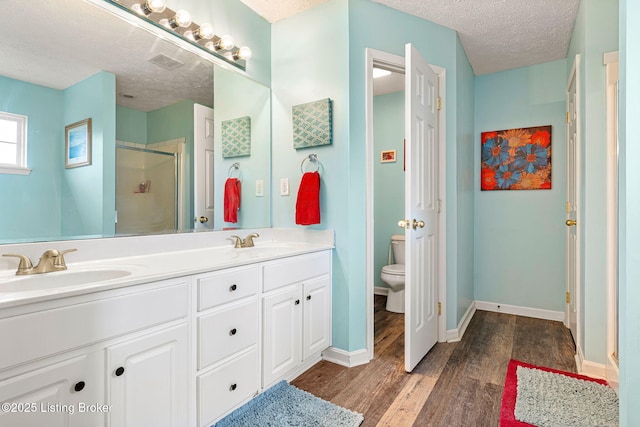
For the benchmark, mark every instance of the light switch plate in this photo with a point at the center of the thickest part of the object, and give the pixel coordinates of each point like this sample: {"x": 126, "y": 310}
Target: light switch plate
{"x": 284, "y": 186}
{"x": 259, "y": 188}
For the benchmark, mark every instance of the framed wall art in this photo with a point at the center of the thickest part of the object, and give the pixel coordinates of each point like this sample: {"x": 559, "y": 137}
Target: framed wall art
{"x": 78, "y": 144}
{"x": 516, "y": 159}
{"x": 387, "y": 156}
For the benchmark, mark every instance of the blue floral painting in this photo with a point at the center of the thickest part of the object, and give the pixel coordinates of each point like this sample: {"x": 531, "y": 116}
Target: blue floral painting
{"x": 516, "y": 159}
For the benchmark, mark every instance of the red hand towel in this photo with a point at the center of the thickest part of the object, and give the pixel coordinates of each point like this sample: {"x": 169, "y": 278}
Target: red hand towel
{"x": 232, "y": 191}
{"x": 308, "y": 203}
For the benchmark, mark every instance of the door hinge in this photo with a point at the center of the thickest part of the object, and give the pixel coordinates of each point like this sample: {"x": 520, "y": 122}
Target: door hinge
{"x": 439, "y": 103}
{"x": 568, "y": 207}
{"x": 568, "y": 298}
{"x": 439, "y": 205}
{"x": 439, "y": 308}
{"x": 568, "y": 116}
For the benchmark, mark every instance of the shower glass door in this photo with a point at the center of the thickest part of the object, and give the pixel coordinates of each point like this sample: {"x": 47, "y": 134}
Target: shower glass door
{"x": 146, "y": 191}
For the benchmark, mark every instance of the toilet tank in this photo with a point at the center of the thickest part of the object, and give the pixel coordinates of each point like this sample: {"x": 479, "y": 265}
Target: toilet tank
{"x": 397, "y": 243}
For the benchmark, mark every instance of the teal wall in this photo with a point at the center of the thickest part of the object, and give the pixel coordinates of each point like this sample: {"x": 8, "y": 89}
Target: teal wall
{"x": 462, "y": 285}
{"x": 243, "y": 24}
{"x": 172, "y": 122}
{"x": 306, "y": 67}
{"x": 388, "y": 197}
{"x": 595, "y": 32}
{"x": 131, "y": 125}
{"x": 236, "y": 96}
{"x": 520, "y": 235}
{"x": 92, "y": 98}
{"x": 629, "y": 244}
{"x": 35, "y": 199}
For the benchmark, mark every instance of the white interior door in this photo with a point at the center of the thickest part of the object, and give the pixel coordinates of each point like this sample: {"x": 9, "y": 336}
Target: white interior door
{"x": 421, "y": 210}
{"x": 571, "y": 314}
{"x": 203, "y": 167}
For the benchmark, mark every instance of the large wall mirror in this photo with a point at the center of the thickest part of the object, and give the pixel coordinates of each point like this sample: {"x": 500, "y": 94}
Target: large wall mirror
{"x": 169, "y": 130}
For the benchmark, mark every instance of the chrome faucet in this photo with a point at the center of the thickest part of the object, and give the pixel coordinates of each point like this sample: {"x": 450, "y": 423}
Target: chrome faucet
{"x": 51, "y": 260}
{"x": 244, "y": 243}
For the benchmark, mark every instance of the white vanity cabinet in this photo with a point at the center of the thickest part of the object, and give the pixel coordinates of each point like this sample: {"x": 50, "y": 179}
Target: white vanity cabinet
{"x": 296, "y": 314}
{"x": 148, "y": 378}
{"x": 228, "y": 340}
{"x": 61, "y": 353}
{"x": 53, "y": 395}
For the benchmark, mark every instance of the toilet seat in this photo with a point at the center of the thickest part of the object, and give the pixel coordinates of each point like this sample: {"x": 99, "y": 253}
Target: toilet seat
{"x": 394, "y": 269}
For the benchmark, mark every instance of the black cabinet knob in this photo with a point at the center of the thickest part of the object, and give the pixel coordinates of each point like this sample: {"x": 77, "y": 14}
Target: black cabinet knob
{"x": 297, "y": 301}
{"x": 119, "y": 371}
{"x": 79, "y": 386}
{"x": 232, "y": 387}
{"x": 308, "y": 297}
{"x": 233, "y": 331}
{"x": 233, "y": 287}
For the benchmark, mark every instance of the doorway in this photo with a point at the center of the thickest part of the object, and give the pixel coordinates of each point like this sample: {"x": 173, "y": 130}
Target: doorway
{"x": 377, "y": 155}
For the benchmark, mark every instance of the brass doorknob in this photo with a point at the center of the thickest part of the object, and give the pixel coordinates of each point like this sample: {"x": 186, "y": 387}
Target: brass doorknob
{"x": 570, "y": 222}
{"x": 404, "y": 223}
{"x": 417, "y": 224}
{"x": 203, "y": 219}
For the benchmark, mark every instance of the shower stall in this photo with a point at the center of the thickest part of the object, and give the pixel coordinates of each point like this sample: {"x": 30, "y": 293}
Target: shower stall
{"x": 146, "y": 191}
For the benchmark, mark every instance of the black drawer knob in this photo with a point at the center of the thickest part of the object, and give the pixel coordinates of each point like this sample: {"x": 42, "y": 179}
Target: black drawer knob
{"x": 119, "y": 371}
{"x": 79, "y": 386}
{"x": 308, "y": 297}
{"x": 232, "y": 387}
{"x": 233, "y": 331}
{"x": 233, "y": 287}
{"x": 297, "y": 302}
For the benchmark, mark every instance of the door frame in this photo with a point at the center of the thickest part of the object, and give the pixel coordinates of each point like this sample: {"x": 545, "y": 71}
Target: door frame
{"x": 611, "y": 62}
{"x": 575, "y": 75}
{"x": 397, "y": 63}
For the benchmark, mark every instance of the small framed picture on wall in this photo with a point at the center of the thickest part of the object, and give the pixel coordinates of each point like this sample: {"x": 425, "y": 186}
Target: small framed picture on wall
{"x": 387, "y": 156}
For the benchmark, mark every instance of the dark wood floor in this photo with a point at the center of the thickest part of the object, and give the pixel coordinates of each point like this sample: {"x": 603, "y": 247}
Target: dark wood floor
{"x": 456, "y": 384}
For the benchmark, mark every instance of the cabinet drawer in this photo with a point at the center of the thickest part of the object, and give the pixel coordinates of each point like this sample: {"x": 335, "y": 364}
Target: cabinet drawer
{"x": 78, "y": 325}
{"x": 227, "y": 331}
{"x": 226, "y": 286}
{"x": 225, "y": 387}
{"x": 296, "y": 269}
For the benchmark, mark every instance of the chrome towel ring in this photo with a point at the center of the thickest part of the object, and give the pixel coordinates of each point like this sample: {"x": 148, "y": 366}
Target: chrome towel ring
{"x": 313, "y": 158}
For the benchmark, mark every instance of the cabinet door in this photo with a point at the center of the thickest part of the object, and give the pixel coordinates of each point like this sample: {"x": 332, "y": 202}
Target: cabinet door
{"x": 61, "y": 394}
{"x": 282, "y": 333}
{"x": 148, "y": 380}
{"x": 317, "y": 315}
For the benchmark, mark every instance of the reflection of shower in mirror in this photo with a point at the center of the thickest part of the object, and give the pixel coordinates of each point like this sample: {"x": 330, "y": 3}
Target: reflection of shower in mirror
{"x": 142, "y": 211}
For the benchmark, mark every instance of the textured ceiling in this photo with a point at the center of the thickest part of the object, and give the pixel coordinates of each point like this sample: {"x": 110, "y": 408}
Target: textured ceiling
{"x": 496, "y": 34}
{"x": 49, "y": 49}
{"x": 501, "y": 34}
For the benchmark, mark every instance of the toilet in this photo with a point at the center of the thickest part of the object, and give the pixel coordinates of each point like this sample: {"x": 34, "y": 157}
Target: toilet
{"x": 393, "y": 275}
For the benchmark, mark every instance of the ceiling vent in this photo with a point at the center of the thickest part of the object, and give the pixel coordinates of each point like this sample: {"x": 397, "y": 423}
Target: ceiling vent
{"x": 165, "y": 62}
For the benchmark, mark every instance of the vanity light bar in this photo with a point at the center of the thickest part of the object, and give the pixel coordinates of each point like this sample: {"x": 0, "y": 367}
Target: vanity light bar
{"x": 179, "y": 23}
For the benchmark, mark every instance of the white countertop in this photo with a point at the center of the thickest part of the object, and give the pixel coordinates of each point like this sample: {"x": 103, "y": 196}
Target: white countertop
{"x": 114, "y": 272}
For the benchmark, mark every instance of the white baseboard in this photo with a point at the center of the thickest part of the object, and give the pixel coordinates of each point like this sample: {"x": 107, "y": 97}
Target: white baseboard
{"x": 588, "y": 368}
{"x": 454, "y": 335}
{"x": 537, "y": 313}
{"x": 379, "y": 290}
{"x": 346, "y": 358}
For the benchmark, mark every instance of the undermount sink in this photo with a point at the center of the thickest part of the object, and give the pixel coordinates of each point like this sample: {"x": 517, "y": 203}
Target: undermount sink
{"x": 37, "y": 282}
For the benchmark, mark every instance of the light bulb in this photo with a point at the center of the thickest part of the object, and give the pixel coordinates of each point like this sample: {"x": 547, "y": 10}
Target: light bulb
{"x": 210, "y": 46}
{"x": 155, "y": 6}
{"x": 190, "y": 35}
{"x": 226, "y": 42}
{"x": 204, "y": 32}
{"x": 243, "y": 53}
{"x": 182, "y": 19}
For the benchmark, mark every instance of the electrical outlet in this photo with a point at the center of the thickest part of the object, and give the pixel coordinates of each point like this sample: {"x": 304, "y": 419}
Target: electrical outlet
{"x": 259, "y": 188}
{"x": 284, "y": 186}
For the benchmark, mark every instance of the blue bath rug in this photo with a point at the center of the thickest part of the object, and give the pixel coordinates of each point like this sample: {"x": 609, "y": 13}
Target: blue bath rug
{"x": 285, "y": 405}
